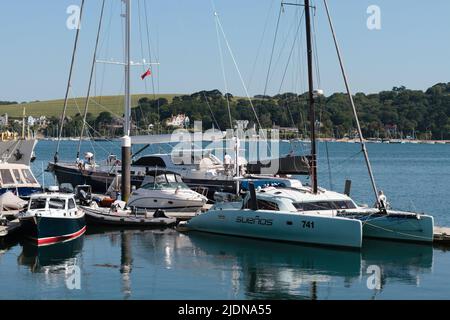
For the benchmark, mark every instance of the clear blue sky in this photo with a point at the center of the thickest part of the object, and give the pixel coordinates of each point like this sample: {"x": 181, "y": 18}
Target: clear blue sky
{"x": 411, "y": 49}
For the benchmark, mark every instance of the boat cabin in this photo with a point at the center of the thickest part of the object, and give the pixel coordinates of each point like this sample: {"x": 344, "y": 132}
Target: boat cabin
{"x": 52, "y": 202}
{"x": 162, "y": 179}
{"x": 298, "y": 200}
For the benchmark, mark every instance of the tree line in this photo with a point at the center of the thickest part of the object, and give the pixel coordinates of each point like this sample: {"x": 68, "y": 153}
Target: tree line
{"x": 398, "y": 113}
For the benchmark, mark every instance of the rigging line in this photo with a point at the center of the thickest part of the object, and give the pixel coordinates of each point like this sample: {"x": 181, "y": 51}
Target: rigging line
{"x": 290, "y": 53}
{"x": 316, "y": 51}
{"x": 239, "y": 73}
{"x": 86, "y": 106}
{"x": 151, "y": 58}
{"x": 219, "y": 44}
{"x": 260, "y": 44}
{"x": 329, "y": 166}
{"x": 210, "y": 109}
{"x": 283, "y": 46}
{"x": 355, "y": 113}
{"x": 273, "y": 49}
{"x": 143, "y": 66}
{"x": 108, "y": 42}
{"x": 63, "y": 116}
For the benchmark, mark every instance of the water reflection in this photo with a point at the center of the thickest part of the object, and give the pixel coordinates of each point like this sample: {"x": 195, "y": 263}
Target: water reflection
{"x": 51, "y": 259}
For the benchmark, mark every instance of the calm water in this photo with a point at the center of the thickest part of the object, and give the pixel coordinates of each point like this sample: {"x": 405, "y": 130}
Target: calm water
{"x": 164, "y": 264}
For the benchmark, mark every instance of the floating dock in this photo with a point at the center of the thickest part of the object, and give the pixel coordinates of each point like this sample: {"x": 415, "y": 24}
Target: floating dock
{"x": 441, "y": 236}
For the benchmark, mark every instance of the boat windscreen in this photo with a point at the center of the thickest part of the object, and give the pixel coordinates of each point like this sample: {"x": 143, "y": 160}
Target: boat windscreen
{"x": 56, "y": 203}
{"x": 7, "y": 177}
{"x": 29, "y": 178}
{"x": 38, "y": 203}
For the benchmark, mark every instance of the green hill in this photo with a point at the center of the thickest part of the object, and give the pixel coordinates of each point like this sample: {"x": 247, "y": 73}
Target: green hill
{"x": 113, "y": 104}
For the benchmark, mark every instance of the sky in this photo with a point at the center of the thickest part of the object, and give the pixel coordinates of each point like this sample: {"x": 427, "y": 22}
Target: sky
{"x": 412, "y": 48}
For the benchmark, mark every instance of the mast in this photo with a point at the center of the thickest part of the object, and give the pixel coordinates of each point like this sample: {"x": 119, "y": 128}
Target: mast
{"x": 126, "y": 142}
{"x": 312, "y": 114}
{"x": 355, "y": 114}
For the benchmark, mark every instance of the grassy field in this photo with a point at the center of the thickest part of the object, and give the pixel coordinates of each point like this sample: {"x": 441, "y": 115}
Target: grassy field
{"x": 113, "y": 104}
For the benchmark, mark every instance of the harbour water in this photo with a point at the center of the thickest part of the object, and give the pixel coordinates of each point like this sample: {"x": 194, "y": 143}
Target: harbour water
{"x": 164, "y": 264}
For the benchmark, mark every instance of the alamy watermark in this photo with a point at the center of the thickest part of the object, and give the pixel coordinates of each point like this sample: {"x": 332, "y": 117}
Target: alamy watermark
{"x": 262, "y": 145}
{"x": 73, "y": 278}
{"x": 73, "y": 21}
{"x": 374, "y": 280}
{"x": 374, "y": 19}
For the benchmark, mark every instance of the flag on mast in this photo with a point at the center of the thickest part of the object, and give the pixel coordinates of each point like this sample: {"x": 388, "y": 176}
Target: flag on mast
{"x": 146, "y": 74}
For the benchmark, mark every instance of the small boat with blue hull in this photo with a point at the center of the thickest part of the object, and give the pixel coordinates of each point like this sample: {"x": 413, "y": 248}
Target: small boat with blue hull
{"x": 52, "y": 218}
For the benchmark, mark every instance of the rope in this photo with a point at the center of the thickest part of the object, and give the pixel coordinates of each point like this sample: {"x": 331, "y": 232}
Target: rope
{"x": 210, "y": 109}
{"x": 63, "y": 116}
{"x": 219, "y": 43}
{"x": 86, "y": 106}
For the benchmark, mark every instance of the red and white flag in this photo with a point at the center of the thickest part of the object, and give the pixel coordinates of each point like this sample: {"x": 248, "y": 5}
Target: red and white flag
{"x": 146, "y": 74}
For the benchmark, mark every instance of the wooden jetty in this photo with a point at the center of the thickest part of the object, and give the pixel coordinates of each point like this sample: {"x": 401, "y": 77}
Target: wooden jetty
{"x": 441, "y": 236}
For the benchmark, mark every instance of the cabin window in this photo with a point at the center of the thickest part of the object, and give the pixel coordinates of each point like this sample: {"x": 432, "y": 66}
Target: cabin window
{"x": 340, "y": 205}
{"x": 314, "y": 206}
{"x": 72, "y": 204}
{"x": 56, "y": 203}
{"x": 267, "y": 205}
{"x": 171, "y": 178}
{"x": 17, "y": 176}
{"x": 37, "y": 203}
{"x": 324, "y": 205}
{"x": 28, "y": 176}
{"x": 7, "y": 176}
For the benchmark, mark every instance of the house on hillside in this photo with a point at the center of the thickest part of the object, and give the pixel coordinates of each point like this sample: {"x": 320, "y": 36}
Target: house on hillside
{"x": 4, "y": 120}
{"x": 178, "y": 121}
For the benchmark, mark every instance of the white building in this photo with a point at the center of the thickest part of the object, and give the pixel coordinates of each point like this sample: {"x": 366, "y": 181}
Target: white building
{"x": 4, "y": 120}
{"x": 178, "y": 121}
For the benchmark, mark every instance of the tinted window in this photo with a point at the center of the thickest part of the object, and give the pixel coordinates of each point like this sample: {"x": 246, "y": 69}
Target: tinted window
{"x": 267, "y": 205}
{"x": 314, "y": 206}
{"x": 57, "y": 203}
{"x": 7, "y": 176}
{"x": 71, "y": 204}
{"x": 38, "y": 203}
{"x": 344, "y": 205}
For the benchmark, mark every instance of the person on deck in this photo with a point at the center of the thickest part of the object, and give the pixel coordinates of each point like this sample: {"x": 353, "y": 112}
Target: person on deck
{"x": 227, "y": 162}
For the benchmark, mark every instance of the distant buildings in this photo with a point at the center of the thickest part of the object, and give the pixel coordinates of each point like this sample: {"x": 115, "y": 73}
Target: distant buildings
{"x": 4, "y": 120}
{"x": 178, "y": 121}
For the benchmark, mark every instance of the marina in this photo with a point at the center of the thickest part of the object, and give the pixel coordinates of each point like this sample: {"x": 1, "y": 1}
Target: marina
{"x": 160, "y": 200}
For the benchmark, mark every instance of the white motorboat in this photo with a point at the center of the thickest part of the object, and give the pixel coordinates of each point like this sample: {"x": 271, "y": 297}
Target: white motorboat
{"x": 165, "y": 190}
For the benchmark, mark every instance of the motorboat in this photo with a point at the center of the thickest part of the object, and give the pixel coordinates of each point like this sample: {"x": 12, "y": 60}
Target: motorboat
{"x": 121, "y": 216}
{"x": 165, "y": 190}
{"x": 52, "y": 217}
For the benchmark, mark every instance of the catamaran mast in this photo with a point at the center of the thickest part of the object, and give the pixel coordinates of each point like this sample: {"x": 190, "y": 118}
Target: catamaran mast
{"x": 126, "y": 142}
{"x": 349, "y": 93}
{"x": 312, "y": 114}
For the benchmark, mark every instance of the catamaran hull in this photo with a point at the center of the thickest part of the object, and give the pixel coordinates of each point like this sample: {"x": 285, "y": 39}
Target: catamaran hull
{"x": 339, "y": 232}
{"x": 44, "y": 231}
{"x": 401, "y": 226}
